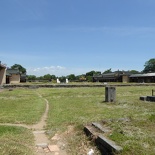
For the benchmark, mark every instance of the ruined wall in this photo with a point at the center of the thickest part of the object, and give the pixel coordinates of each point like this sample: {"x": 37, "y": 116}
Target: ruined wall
{"x": 125, "y": 79}
{"x": 2, "y": 76}
{"x": 15, "y": 78}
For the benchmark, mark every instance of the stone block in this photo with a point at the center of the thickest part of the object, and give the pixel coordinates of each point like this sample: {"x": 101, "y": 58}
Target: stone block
{"x": 107, "y": 145}
{"x": 110, "y": 94}
{"x": 53, "y": 148}
{"x": 151, "y": 98}
{"x": 143, "y": 98}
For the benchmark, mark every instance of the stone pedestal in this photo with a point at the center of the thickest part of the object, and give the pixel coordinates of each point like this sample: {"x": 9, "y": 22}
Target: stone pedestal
{"x": 110, "y": 94}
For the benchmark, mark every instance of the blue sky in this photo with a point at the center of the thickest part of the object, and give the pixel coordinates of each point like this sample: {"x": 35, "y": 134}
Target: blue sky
{"x": 63, "y": 37}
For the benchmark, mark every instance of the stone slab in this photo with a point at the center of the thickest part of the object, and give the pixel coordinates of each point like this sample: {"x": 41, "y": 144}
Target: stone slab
{"x": 53, "y": 148}
{"x": 100, "y": 127}
{"x": 108, "y": 144}
{"x": 43, "y": 145}
{"x": 105, "y": 145}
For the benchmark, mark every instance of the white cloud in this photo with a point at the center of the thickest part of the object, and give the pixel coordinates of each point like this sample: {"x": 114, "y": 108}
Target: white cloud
{"x": 61, "y": 71}
{"x": 55, "y": 70}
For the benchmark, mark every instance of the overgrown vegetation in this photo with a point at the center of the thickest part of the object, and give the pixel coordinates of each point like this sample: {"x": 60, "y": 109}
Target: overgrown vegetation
{"x": 15, "y": 141}
{"x": 132, "y": 121}
{"x": 20, "y": 106}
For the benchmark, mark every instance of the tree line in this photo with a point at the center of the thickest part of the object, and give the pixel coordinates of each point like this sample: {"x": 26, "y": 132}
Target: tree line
{"x": 149, "y": 67}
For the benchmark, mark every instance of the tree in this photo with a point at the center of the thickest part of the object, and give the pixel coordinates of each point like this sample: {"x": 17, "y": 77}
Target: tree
{"x": 47, "y": 77}
{"x": 40, "y": 78}
{"x": 134, "y": 72}
{"x": 149, "y": 66}
{"x": 31, "y": 77}
{"x": 71, "y": 77}
{"x": 89, "y": 78}
{"x": 81, "y": 78}
{"x": 91, "y": 73}
{"x": 62, "y": 79}
{"x": 53, "y": 77}
{"x": 107, "y": 71}
{"x": 19, "y": 67}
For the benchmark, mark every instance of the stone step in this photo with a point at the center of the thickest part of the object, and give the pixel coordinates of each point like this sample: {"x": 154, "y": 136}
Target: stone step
{"x": 96, "y": 132}
{"x": 91, "y": 131}
{"x": 107, "y": 146}
{"x": 100, "y": 127}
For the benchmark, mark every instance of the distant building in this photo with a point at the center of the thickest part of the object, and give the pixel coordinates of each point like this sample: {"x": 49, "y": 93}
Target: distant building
{"x": 117, "y": 76}
{"x": 143, "y": 78}
{"x": 122, "y": 76}
{"x": 12, "y": 76}
{"x": 23, "y": 77}
{"x": 2, "y": 73}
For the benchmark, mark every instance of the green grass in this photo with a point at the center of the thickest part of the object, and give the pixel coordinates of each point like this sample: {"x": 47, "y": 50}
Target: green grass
{"x": 79, "y": 106}
{"x": 20, "y": 106}
{"x": 76, "y": 107}
{"x": 15, "y": 141}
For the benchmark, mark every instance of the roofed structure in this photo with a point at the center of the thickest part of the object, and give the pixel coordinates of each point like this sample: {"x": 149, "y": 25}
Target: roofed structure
{"x": 140, "y": 78}
{"x": 117, "y": 76}
{"x": 12, "y": 76}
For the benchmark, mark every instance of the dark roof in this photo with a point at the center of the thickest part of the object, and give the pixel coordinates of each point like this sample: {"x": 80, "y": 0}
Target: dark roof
{"x": 112, "y": 75}
{"x": 12, "y": 71}
{"x": 143, "y": 75}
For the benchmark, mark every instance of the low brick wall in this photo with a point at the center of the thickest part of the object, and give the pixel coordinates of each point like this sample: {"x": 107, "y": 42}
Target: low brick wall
{"x": 74, "y": 85}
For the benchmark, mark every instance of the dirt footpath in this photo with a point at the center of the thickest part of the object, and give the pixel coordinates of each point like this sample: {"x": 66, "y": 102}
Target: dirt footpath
{"x": 43, "y": 146}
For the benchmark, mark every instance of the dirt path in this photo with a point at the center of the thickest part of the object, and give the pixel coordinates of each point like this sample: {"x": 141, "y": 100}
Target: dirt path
{"x": 43, "y": 146}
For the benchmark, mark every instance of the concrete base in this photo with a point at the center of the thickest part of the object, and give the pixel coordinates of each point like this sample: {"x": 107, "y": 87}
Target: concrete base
{"x": 147, "y": 98}
{"x": 151, "y": 98}
{"x": 143, "y": 98}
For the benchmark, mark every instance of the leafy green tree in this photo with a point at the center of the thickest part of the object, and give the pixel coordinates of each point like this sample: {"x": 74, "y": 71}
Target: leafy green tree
{"x": 31, "y": 77}
{"x": 91, "y": 73}
{"x": 47, "y": 77}
{"x": 71, "y": 77}
{"x": 97, "y": 73}
{"x": 89, "y": 78}
{"x": 81, "y": 78}
{"x": 107, "y": 71}
{"x": 53, "y": 77}
{"x": 62, "y": 79}
{"x": 21, "y": 68}
{"x": 149, "y": 66}
{"x": 134, "y": 71}
{"x": 40, "y": 78}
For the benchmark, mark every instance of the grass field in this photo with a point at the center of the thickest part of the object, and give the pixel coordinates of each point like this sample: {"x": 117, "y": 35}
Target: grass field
{"x": 15, "y": 141}
{"x": 20, "y": 106}
{"x": 78, "y": 106}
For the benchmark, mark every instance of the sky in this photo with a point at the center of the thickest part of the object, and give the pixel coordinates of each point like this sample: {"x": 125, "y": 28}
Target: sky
{"x": 63, "y": 37}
